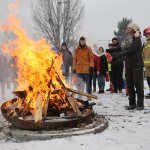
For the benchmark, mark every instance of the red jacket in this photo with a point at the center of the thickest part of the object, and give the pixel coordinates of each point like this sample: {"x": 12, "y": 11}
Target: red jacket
{"x": 97, "y": 62}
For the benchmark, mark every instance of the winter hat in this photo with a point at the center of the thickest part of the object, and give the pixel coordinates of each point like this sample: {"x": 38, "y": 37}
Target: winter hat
{"x": 82, "y": 38}
{"x": 64, "y": 44}
{"x": 115, "y": 39}
{"x": 134, "y": 26}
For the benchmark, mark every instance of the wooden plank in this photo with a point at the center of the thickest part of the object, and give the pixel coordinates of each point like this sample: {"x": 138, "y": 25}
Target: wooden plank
{"x": 82, "y": 93}
{"x": 38, "y": 108}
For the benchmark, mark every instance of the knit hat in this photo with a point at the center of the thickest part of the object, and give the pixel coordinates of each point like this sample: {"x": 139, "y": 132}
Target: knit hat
{"x": 82, "y": 38}
{"x": 64, "y": 44}
{"x": 115, "y": 39}
{"x": 134, "y": 26}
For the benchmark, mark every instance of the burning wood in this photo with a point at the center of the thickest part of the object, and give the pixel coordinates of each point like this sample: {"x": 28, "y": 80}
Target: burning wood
{"x": 41, "y": 90}
{"x": 38, "y": 108}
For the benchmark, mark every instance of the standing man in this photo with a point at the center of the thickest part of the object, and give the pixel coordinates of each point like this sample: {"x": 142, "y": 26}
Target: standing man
{"x": 132, "y": 52}
{"x": 116, "y": 66}
{"x": 83, "y": 65}
{"x": 67, "y": 60}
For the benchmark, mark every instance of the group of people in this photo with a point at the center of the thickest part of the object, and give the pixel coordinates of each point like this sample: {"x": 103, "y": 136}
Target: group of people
{"x": 130, "y": 55}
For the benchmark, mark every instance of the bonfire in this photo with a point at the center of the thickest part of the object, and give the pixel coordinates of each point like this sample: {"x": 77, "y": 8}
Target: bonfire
{"x": 41, "y": 90}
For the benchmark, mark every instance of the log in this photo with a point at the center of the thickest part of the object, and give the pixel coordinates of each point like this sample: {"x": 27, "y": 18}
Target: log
{"x": 46, "y": 104}
{"x": 74, "y": 105}
{"x": 70, "y": 99}
{"x": 38, "y": 108}
{"x": 24, "y": 112}
{"x": 82, "y": 93}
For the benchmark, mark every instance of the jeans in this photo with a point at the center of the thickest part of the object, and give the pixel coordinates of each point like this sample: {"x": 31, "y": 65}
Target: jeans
{"x": 101, "y": 82}
{"x": 84, "y": 79}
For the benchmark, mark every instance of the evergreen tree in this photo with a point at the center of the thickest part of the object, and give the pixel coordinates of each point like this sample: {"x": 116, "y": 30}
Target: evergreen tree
{"x": 122, "y": 26}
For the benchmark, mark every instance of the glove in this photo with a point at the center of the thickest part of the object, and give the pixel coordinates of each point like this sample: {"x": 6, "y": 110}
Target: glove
{"x": 91, "y": 70}
{"x": 109, "y": 57}
{"x": 108, "y": 50}
{"x": 73, "y": 71}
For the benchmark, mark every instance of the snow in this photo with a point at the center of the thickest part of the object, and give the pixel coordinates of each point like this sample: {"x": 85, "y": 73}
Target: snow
{"x": 128, "y": 130}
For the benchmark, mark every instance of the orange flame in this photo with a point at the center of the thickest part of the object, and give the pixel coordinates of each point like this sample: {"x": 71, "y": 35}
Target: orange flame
{"x": 36, "y": 62}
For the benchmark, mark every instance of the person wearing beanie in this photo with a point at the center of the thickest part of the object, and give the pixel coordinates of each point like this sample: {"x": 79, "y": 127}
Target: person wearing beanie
{"x": 67, "y": 60}
{"x": 83, "y": 65}
{"x": 132, "y": 53}
{"x": 116, "y": 67}
{"x": 146, "y": 58}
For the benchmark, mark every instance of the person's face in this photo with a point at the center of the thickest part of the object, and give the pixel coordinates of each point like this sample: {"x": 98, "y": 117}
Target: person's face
{"x": 115, "y": 42}
{"x": 83, "y": 42}
{"x": 64, "y": 47}
{"x": 130, "y": 30}
{"x": 101, "y": 50}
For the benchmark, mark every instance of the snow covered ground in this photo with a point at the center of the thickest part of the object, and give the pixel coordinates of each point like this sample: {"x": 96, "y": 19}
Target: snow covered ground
{"x": 128, "y": 130}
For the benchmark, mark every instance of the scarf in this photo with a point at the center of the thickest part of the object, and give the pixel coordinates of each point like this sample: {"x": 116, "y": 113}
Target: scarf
{"x": 127, "y": 42}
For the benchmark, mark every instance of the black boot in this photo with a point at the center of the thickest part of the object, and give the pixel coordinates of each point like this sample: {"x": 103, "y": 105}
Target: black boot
{"x": 100, "y": 91}
{"x": 130, "y": 107}
{"x": 140, "y": 107}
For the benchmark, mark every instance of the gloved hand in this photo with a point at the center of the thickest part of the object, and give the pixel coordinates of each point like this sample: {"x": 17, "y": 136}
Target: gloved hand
{"x": 108, "y": 50}
{"x": 109, "y": 57}
{"x": 91, "y": 70}
{"x": 73, "y": 71}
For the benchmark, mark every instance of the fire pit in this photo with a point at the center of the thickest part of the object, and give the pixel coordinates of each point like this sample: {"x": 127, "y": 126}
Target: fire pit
{"x": 44, "y": 101}
{"x": 53, "y": 120}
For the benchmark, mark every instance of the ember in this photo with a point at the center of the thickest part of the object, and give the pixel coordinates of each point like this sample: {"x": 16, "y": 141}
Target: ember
{"x": 41, "y": 92}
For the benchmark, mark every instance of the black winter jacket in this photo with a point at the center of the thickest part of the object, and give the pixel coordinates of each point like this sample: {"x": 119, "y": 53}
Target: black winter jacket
{"x": 103, "y": 65}
{"x": 67, "y": 57}
{"x": 132, "y": 55}
{"x": 114, "y": 51}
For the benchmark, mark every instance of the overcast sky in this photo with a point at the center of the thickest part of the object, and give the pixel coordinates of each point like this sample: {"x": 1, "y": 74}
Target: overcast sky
{"x": 100, "y": 19}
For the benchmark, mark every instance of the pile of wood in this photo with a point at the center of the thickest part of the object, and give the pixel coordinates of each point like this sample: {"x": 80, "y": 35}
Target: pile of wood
{"x": 66, "y": 96}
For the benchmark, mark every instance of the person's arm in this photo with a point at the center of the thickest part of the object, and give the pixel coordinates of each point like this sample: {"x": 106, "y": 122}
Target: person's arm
{"x": 74, "y": 62}
{"x": 106, "y": 63}
{"x": 91, "y": 58}
{"x": 135, "y": 46}
{"x": 113, "y": 50}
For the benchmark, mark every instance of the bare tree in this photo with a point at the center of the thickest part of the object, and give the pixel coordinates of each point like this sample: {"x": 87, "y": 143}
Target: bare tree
{"x": 58, "y": 21}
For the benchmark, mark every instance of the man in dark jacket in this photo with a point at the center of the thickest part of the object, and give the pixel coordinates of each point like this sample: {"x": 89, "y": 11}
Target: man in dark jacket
{"x": 67, "y": 60}
{"x": 116, "y": 66}
{"x": 132, "y": 52}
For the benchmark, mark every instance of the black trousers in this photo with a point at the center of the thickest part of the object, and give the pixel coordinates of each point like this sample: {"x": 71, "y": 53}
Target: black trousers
{"x": 134, "y": 78}
{"x": 116, "y": 77}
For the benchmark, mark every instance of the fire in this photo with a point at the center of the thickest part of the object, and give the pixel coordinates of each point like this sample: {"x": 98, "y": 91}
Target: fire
{"x": 39, "y": 68}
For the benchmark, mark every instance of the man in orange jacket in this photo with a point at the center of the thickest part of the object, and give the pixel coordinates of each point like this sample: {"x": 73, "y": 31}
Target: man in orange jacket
{"x": 83, "y": 65}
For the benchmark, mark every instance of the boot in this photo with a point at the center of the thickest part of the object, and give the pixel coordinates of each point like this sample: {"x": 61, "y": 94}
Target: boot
{"x": 139, "y": 107}
{"x": 130, "y": 107}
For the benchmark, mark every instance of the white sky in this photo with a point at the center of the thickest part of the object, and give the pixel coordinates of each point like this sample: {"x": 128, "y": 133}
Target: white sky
{"x": 100, "y": 19}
